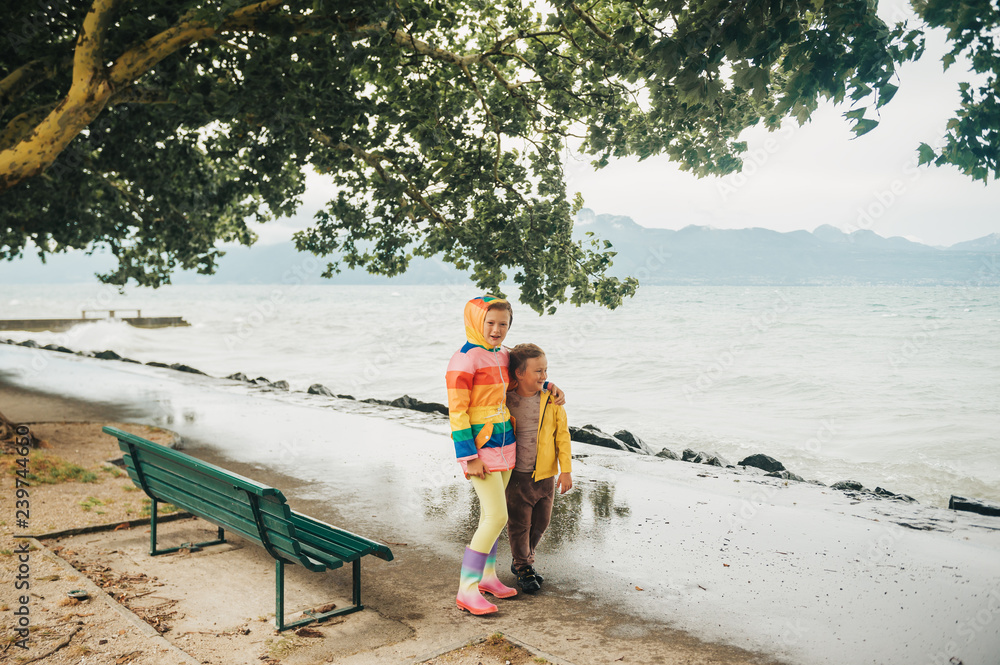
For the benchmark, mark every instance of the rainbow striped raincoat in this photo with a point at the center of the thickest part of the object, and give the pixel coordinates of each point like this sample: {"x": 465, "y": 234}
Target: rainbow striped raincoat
{"x": 477, "y": 395}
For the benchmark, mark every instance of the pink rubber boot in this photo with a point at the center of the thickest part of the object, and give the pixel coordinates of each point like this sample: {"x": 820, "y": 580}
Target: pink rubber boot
{"x": 469, "y": 597}
{"x": 490, "y": 582}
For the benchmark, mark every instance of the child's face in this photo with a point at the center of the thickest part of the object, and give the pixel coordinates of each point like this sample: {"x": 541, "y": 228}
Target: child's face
{"x": 495, "y": 326}
{"x": 531, "y": 378}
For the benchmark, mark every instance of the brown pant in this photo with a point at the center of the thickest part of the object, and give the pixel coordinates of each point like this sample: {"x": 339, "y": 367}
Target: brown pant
{"x": 529, "y": 509}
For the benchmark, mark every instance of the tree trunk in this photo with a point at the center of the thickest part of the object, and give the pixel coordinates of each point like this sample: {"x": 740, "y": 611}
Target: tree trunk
{"x": 9, "y": 436}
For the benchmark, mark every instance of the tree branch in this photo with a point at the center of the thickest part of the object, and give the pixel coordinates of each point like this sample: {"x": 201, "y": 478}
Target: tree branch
{"x": 139, "y": 60}
{"x": 93, "y": 86}
{"x": 375, "y": 161}
{"x": 24, "y": 78}
{"x": 21, "y": 125}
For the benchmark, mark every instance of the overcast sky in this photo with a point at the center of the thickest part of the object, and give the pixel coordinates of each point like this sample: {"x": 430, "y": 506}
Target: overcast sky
{"x": 802, "y": 177}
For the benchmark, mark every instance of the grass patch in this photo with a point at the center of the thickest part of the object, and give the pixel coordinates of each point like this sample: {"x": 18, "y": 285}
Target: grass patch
{"x": 89, "y": 503}
{"x": 47, "y": 469}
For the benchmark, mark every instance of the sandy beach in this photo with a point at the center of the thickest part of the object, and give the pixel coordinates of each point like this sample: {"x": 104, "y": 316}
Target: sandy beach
{"x": 647, "y": 561}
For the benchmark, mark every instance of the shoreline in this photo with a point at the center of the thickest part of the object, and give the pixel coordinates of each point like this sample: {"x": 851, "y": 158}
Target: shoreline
{"x": 623, "y": 440}
{"x": 748, "y": 564}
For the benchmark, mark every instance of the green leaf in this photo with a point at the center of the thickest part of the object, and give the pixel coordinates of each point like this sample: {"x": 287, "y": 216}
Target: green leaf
{"x": 864, "y": 126}
{"x": 926, "y": 154}
{"x": 886, "y": 93}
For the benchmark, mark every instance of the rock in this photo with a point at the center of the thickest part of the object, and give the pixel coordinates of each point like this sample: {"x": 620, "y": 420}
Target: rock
{"x": 980, "y": 506}
{"x": 239, "y": 376}
{"x": 761, "y": 461}
{"x": 129, "y": 360}
{"x": 716, "y": 459}
{"x": 345, "y": 396}
{"x": 851, "y": 485}
{"x": 700, "y": 457}
{"x": 184, "y": 368}
{"x": 56, "y": 347}
{"x": 895, "y": 497}
{"x": 30, "y": 343}
{"x": 319, "y": 389}
{"x": 153, "y": 363}
{"x": 108, "y": 355}
{"x": 407, "y": 402}
{"x": 594, "y": 436}
{"x": 785, "y": 475}
{"x": 280, "y": 385}
{"x": 372, "y": 400}
{"x": 634, "y": 443}
{"x": 261, "y": 381}
{"x": 667, "y": 454}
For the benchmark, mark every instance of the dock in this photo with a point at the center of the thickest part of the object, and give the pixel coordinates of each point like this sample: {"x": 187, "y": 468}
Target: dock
{"x": 62, "y": 325}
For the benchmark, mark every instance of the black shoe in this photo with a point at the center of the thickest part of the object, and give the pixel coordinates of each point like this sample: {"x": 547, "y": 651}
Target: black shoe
{"x": 527, "y": 580}
{"x": 534, "y": 572}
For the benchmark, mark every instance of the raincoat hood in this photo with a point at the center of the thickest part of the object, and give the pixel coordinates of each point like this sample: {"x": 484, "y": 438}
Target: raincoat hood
{"x": 475, "y": 317}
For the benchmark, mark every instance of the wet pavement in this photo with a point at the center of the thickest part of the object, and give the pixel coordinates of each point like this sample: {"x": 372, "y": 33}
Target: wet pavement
{"x": 793, "y": 570}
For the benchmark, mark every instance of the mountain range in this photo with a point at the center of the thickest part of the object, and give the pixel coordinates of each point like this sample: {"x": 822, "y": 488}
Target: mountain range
{"x": 694, "y": 255}
{"x": 827, "y": 255}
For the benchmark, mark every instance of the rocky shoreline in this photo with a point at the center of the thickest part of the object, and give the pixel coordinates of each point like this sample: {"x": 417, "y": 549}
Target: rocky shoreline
{"x": 624, "y": 440}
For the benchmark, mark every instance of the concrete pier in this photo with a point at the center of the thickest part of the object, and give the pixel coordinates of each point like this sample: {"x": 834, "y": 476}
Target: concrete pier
{"x": 62, "y": 325}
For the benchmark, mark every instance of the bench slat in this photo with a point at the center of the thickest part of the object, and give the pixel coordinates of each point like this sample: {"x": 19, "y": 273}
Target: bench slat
{"x": 275, "y": 503}
{"x": 322, "y": 540}
{"x": 233, "y": 504}
{"x": 194, "y": 463}
{"x": 287, "y": 547}
{"x": 227, "y": 497}
{"x": 315, "y": 530}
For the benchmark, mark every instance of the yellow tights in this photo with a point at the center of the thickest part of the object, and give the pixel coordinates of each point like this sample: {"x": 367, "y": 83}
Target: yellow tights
{"x": 492, "y": 509}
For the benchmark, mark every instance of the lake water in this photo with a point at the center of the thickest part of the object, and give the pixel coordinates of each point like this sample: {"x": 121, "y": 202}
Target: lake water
{"x": 894, "y": 387}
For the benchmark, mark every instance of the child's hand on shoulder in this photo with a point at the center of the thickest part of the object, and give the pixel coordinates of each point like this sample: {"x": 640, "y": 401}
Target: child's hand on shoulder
{"x": 565, "y": 482}
{"x": 558, "y": 396}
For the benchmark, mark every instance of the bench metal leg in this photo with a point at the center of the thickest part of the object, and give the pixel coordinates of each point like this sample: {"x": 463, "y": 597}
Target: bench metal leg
{"x": 279, "y": 599}
{"x": 221, "y": 536}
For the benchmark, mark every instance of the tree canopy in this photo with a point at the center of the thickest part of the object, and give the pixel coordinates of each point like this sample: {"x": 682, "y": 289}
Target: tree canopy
{"x": 157, "y": 129}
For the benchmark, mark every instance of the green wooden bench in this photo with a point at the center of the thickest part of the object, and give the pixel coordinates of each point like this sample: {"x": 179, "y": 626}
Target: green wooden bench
{"x": 256, "y": 512}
